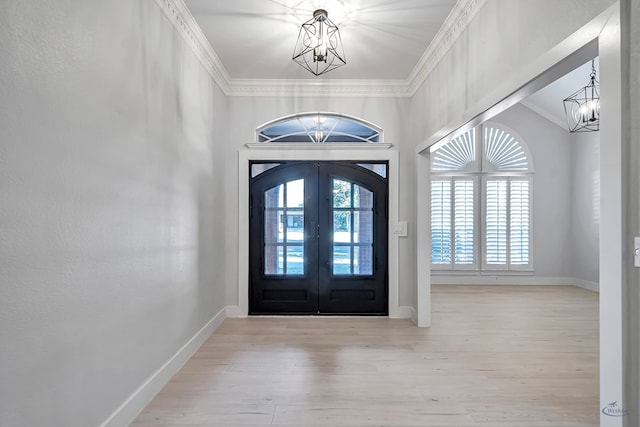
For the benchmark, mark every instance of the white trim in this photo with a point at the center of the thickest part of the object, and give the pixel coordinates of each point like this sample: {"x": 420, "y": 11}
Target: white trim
{"x": 454, "y": 25}
{"x": 613, "y": 228}
{"x": 234, "y": 312}
{"x": 185, "y": 24}
{"x": 141, "y": 397}
{"x": 586, "y": 284}
{"x": 408, "y": 312}
{"x": 311, "y": 146}
{"x": 503, "y": 280}
{"x": 354, "y": 88}
{"x": 329, "y": 153}
{"x": 423, "y": 237}
{"x": 511, "y": 280}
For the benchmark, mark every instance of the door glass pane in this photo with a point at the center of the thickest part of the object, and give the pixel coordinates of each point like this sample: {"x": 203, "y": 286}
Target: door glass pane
{"x": 341, "y": 260}
{"x": 284, "y": 229}
{"x": 342, "y": 227}
{"x": 273, "y": 226}
{"x": 362, "y": 198}
{"x": 295, "y": 226}
{"x": 379, "y": 168}
{"x": 363, "y": 227}
{"x": 274, "y": 259}
{"x": 295, "y": 260}
{"x": 295, "y": 193}
{"x": 341, "y": 194}
{"x": 258, "y": 168}
{"x": 363, "y": 260}
{"x": 352, "y": 229}
{"x": 273, "y": 197}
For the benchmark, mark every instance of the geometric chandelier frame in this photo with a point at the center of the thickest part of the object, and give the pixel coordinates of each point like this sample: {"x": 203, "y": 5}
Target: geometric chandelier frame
{"x": 582, "y": 108}
{"x": 319, "y": 46}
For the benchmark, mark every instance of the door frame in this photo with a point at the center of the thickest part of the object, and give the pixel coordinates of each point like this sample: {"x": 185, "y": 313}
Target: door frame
{"x": 316, "y": 152}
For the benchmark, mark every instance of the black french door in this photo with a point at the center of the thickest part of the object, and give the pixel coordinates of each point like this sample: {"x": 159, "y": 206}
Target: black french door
{"x": 318, "y": 238}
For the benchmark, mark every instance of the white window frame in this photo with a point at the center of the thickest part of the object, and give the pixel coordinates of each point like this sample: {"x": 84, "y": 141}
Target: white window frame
{"x": 482, "y": 173}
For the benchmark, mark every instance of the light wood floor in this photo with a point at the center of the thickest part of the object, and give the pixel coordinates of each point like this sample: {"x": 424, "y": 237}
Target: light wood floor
{"x": 495, "y": 356}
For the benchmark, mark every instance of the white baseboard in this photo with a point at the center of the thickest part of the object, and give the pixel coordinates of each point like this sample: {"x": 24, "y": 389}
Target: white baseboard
{"x": 512, "y": 280}
{"x": 131, "y": 407}
{"x": 233, "y": 311}
{"x": 407, "y": 312}
{"x": 585, "y": 284}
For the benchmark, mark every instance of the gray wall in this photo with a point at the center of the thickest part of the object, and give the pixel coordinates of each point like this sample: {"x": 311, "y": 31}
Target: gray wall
{"x": 110, "y": 250}
{"x": 551, "y": 152}
{"x": 585, "y": 206}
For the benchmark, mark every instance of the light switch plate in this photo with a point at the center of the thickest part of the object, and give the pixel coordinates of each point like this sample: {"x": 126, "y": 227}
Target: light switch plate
{"x": 401, "y": 229}
{"x": 636, "y": 251}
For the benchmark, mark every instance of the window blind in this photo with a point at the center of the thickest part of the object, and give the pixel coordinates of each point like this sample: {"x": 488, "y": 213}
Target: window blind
{"x": 496, "y": 222}
{"x": 464, "y": 207}
{"x": 519, "y": 218}
{"x": 441, "y": 222}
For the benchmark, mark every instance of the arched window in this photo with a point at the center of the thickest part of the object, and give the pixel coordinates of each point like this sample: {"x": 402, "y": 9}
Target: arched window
{"x": 319, "y": 128}
{"x": 481, "y": 202}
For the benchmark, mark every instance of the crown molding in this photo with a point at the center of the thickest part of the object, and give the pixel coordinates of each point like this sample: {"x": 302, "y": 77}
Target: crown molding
{"x": 185, "y": 24}
{"x": 344, "y": 87}
{"x": 456, "y": 22}
{"x": 454, "y": 25}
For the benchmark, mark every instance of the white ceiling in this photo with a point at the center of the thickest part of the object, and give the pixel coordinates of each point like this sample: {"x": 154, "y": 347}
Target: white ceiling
{"x": 382, "y": 39}
{"x": 253, "y": 41}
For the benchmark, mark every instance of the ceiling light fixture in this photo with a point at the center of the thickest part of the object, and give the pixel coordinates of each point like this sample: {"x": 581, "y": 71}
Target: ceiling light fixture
{"x": 319, "y": 128}
{"x": 583, "y": 107}
{"x": 319, "y": 47}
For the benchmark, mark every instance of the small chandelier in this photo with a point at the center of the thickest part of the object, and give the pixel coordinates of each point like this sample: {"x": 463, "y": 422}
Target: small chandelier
{"x": 319, "y": 47}
{"x": 319, "y": 129}
{"x": 583, "y": 107}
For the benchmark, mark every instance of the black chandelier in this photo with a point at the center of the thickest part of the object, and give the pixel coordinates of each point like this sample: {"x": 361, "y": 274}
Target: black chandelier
{"x": 583, "y": 107}
{"x": 319, "y": 47}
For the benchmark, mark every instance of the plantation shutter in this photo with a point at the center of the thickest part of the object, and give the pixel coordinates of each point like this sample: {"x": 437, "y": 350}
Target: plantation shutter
{"x": 496, "y": 170}
{"x": 453, "y": 222}
{"x": 496, "y": 222}
{"x": 519, "y": 218}
{"x": 441, "y": 222}
{"x": 464, "y": 207}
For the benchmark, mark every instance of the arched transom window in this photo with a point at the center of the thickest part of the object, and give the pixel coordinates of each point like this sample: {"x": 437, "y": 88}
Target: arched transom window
{"x": 481, "y": 202}
{"x": 319, "y": 128}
